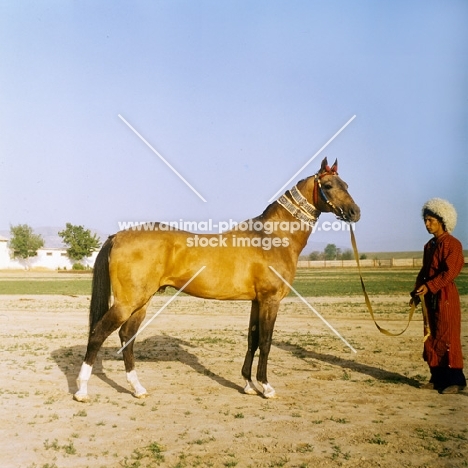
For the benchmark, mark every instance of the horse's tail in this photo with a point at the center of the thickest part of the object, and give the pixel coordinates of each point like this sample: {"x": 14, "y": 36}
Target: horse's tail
{"x": 101, "y": 285}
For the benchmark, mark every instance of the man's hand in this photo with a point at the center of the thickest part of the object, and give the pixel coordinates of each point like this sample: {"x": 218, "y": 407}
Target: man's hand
{"x": 422, "y": 290}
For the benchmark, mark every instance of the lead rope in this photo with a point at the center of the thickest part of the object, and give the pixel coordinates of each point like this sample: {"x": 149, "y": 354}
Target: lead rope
{"x": 427, "y": 329}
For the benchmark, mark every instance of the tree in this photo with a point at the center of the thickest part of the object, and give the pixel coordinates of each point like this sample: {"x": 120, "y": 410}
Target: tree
{"x": 24, "y": 242}
{"x": 347, "y": 255}
{"x": 315, "y": 255}
{"x": 330, "y": 252}
{"x": 81, "y": 243}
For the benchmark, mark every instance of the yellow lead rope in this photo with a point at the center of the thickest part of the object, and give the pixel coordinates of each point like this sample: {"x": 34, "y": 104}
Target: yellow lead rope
{"x": 369, "y": 305}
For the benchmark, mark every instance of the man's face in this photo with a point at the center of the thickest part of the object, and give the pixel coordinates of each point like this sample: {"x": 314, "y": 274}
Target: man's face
{"x": 433, "y": 225}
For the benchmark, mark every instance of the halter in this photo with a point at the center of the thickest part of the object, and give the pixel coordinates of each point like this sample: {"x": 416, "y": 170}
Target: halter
{"x": 318, "y": 188}
{"x": 303, "y": 210}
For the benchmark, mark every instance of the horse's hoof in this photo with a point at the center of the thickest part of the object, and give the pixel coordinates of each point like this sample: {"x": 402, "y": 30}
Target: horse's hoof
{"x": 81, "y": 397}
{"x": 141, "y": 395}
{"x": 250, "y": 389}
{"x": 268, "y": 391}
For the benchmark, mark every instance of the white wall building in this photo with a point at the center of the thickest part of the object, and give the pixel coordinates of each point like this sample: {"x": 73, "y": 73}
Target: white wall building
{"x": 47, "y": 258}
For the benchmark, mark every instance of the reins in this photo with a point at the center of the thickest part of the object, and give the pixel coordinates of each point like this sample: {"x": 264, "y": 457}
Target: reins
{"x": 427, "y": 330}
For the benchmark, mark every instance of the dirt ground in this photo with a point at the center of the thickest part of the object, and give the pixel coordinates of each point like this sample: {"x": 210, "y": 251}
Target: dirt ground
{"x": 334, "y": 407}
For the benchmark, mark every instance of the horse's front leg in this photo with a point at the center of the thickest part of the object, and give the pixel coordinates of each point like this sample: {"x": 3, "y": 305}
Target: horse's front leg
{"x": 251, "y": 349}
{"x": 268, "y": 312}
{"x": 126, "y": 333}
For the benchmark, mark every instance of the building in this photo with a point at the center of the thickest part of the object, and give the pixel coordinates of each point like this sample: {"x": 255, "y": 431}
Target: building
{"x": 46, "y": 258}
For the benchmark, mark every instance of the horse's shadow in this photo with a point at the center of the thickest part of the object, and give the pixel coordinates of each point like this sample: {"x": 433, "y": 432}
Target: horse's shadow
{"x": 165, "y": 348}
{"x": 374, "y": 372}
{"x": 160, "y": 348}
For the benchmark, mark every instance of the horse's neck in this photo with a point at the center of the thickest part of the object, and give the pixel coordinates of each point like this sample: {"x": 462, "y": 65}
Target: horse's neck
{"x": 275, "y": 213}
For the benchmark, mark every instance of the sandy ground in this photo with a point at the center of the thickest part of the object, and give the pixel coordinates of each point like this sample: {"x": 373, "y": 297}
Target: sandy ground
{"x": 334, "y": 407}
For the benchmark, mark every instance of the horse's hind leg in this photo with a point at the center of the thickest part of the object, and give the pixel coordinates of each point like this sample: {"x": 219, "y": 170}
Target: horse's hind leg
{"x": 110, "y": 322}
{"x": 252, "y": 348}
{"x": 126, "y": 333}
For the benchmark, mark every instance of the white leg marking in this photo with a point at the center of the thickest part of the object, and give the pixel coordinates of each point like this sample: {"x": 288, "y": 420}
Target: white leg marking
{"x": 250, "y": 388}
{"x": 82, "y": 383}
{"x": 138, "y": 390}
{"x": 268, "y": 391}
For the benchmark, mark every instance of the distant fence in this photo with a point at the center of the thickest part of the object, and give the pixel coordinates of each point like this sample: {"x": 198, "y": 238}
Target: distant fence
{"x": 374, "y": 263}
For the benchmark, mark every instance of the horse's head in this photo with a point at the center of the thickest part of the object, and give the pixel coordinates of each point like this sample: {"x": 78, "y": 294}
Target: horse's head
{"x": 329, "y": 193}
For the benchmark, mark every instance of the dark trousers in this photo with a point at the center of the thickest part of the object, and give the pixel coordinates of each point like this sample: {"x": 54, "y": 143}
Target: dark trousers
{"x": 443, "y": 377}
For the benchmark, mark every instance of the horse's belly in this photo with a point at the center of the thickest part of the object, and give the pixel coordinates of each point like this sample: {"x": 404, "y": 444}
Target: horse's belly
{"x": 217, "y": 288}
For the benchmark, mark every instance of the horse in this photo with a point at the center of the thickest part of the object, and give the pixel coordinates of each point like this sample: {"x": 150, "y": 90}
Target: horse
{"x": 255, "y": 261}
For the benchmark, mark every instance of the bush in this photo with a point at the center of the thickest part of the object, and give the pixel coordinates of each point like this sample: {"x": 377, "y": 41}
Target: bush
{"x": 78, "y": 266}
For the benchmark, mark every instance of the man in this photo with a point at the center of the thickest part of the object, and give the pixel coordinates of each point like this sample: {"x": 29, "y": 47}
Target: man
{"x": 442, "y": 263}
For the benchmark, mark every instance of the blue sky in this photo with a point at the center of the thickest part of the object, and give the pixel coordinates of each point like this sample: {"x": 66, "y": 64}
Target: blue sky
{"x": 237, "y": 96}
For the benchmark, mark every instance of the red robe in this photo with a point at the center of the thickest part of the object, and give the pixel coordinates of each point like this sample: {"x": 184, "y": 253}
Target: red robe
{"x": 442, "y": 263}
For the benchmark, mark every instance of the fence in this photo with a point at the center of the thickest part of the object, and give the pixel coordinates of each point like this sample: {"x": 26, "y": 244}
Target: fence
{"x": 373, "y": 263}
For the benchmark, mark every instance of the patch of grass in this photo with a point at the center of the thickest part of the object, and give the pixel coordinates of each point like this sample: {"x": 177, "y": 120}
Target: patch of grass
{"x": 202, "y": 441}
{"x": 156, "y": 450}
{"x": 337, "y": 452}
{"x": 339, "y": 420}
{"x": 230, "y": 463}
{"x": 69, "y": 448}
{"x": 440, "y": 436}
{"x": 304, "y": 448}
{"x": 377, "y": 439}
{"x": 153, "y": 453}
{"x": 281, "y": 462}
{"x": 51, "y": 445}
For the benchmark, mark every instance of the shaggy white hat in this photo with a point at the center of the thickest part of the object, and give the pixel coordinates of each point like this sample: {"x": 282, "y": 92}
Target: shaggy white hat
{"x": 444, "y": 209}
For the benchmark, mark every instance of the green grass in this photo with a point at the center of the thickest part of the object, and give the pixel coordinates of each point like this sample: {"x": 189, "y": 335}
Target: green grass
{"x": 25, "y": 286}
{"x": 345, "y": 282}
{"x": 309, "y": 283}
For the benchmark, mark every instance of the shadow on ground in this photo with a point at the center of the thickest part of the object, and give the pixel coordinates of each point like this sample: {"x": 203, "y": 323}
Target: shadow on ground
{"x": 374, "y": 372}
{"x": 161, "y": 348}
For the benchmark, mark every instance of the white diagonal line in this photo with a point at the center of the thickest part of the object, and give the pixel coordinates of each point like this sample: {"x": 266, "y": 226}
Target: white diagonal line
{"x": 162, "y": 158}
{"x": 312, "y": 158}
{"x": 312, "y": 309}
{"x": 161, "y": 309}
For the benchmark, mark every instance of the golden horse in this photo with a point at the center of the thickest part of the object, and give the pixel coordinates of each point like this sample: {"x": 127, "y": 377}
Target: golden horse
{"x": 253, "y": 261}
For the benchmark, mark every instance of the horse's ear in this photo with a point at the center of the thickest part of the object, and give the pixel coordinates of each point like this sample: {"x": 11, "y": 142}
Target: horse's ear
{"x": 324, "y": 166}
{"x": 334, "y": 168}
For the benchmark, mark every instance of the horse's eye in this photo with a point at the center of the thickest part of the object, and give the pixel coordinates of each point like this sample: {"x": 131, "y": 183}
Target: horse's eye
{"x": 328, "y": 186}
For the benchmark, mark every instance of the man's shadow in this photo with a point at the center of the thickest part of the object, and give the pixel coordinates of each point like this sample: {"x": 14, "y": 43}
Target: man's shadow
{"x": 159, "y": 348}
{"x": 374, "y": 372}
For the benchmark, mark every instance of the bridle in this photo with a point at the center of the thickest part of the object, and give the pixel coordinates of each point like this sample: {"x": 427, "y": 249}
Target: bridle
{"x": 301, "y": 209}
{"x": 308, "y": 213}
{"x": 318, "y": 187}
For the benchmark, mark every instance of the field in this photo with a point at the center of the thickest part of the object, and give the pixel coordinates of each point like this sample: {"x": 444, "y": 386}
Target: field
{"x": 309, "y": 282}
{"x": 334, "y": 407}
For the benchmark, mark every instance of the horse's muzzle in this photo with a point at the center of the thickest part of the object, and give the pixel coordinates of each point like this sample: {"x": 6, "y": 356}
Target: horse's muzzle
{"x": 352, "y": 214}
